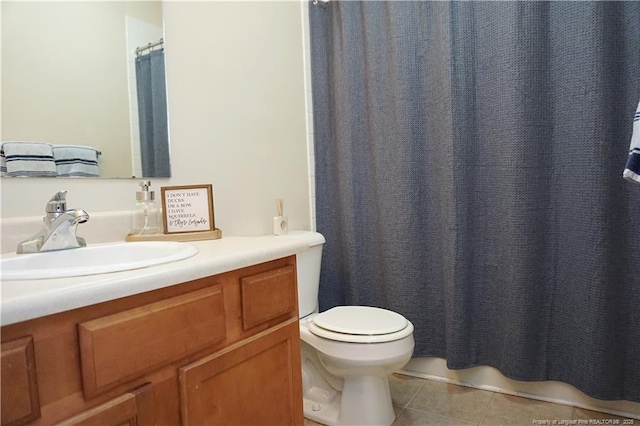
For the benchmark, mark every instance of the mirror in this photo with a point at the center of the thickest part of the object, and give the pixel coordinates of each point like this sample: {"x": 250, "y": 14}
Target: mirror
{"x": 70, "y": 77}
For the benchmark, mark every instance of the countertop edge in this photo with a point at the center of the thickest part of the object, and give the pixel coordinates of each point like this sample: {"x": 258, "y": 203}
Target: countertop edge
{"x": 28, "y": 300}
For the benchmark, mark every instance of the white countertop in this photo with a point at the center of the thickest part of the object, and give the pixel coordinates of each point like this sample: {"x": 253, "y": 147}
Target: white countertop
{"x": 24, "y": 300}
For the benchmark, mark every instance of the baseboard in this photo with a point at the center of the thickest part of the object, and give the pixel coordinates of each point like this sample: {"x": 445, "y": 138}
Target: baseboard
{"x": 488, "y": 378}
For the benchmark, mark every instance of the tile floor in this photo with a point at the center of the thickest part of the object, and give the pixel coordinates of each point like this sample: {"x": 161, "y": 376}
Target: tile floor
{"x": 427, "y": 402}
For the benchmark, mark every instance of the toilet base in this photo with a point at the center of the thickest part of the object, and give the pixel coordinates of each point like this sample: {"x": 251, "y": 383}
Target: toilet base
{"x": 364, "y": 400}
{"x": 322, "y": 413}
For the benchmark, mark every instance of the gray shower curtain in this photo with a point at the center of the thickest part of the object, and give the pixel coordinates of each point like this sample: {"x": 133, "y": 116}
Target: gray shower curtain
{"x": 152, "y": 111}
{"x": 468, "y": 175}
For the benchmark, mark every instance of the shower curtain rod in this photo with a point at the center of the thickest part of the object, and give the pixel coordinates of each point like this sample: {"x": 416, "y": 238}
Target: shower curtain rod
{"x": 149, "y": 46}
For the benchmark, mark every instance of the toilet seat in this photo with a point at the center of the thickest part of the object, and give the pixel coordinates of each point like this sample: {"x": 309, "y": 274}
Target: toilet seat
{"x": 360, "y": 324}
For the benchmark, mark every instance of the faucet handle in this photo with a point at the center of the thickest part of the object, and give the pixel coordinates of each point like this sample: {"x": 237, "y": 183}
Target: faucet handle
{"x": 57, "y": 204}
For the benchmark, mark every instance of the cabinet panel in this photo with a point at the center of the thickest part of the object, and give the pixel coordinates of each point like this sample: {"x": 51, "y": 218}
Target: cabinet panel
{"x": 89, "y": 358}
{"x": 268, "y": 295}
{"x": 257, "y": 381}
{"x": 20, "y": 402}
{"x": 135, "y": 408}
{"x": 124, "y": 345}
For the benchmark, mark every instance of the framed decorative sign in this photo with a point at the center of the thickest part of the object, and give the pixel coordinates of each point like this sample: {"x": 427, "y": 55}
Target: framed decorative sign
{"x": 187, "y": 208}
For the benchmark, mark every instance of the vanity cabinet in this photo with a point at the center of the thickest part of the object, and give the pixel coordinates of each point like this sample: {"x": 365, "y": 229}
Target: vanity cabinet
{"x": 21, "y": 404}
{"x": 266, "y": 364}
{"x": 219, "y": 350}
{"x": 135, "y": 408}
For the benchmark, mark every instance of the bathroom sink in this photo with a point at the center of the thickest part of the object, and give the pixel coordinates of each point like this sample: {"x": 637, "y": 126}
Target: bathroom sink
{"x": 92, "y": 260}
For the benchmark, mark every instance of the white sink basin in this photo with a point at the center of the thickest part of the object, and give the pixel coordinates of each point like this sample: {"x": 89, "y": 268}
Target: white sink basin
{"x": 92, "y": 260}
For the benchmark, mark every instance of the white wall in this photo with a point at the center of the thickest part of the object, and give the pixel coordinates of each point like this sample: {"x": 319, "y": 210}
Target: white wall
{"x": 311, "y": 158}
{"x": 236, "y": 116}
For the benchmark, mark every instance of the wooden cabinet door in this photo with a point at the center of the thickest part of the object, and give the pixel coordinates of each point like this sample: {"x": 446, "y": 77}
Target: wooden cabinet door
{"x": 135, "y": 408}
{"x": 254, "y": 382}
{"x": 20, "y": 401}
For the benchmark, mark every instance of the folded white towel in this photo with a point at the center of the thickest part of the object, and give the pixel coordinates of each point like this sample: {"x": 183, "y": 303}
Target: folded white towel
{"x": 76, "y": 160}
{"x": 29, "y": 159}
{"x": 632, "y": 169}
{"x": 3, "y": 164}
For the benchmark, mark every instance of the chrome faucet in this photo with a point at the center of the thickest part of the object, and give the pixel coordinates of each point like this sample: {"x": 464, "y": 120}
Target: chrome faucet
{"x": 59, "y": 230}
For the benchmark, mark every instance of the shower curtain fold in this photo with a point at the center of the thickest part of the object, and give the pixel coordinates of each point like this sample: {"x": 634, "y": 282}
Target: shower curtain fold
{"x": 468, "y": 176}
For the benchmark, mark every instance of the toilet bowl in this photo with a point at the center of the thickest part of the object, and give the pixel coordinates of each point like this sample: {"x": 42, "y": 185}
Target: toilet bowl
{"x": 345, "y": 373}
{"x": 347, "y": 351}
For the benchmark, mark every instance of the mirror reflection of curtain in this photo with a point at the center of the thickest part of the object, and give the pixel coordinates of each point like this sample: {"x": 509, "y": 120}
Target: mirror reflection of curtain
{"x": 152, "y": 110}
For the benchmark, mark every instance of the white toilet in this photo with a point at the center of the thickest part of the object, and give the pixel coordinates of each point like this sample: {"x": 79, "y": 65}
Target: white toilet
{"x": 347, "y": 351}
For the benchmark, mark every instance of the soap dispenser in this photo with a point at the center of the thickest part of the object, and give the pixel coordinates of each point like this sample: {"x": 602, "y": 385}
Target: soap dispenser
{"x": 146, "y": 214}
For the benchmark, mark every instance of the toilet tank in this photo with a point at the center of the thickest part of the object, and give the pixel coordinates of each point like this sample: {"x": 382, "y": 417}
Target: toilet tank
{"x": 308, "y": 266}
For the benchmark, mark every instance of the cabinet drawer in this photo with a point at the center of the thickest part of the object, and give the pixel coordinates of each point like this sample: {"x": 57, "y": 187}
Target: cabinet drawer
{"x": 268, "y": 295}
{"x": 135, "y": 408}
{"x": 122, "y": 346}
{"x": 20, "y": 402}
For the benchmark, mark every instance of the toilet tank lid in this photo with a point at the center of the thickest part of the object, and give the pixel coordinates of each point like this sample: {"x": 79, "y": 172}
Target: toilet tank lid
{"x": 312, "y": 238}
